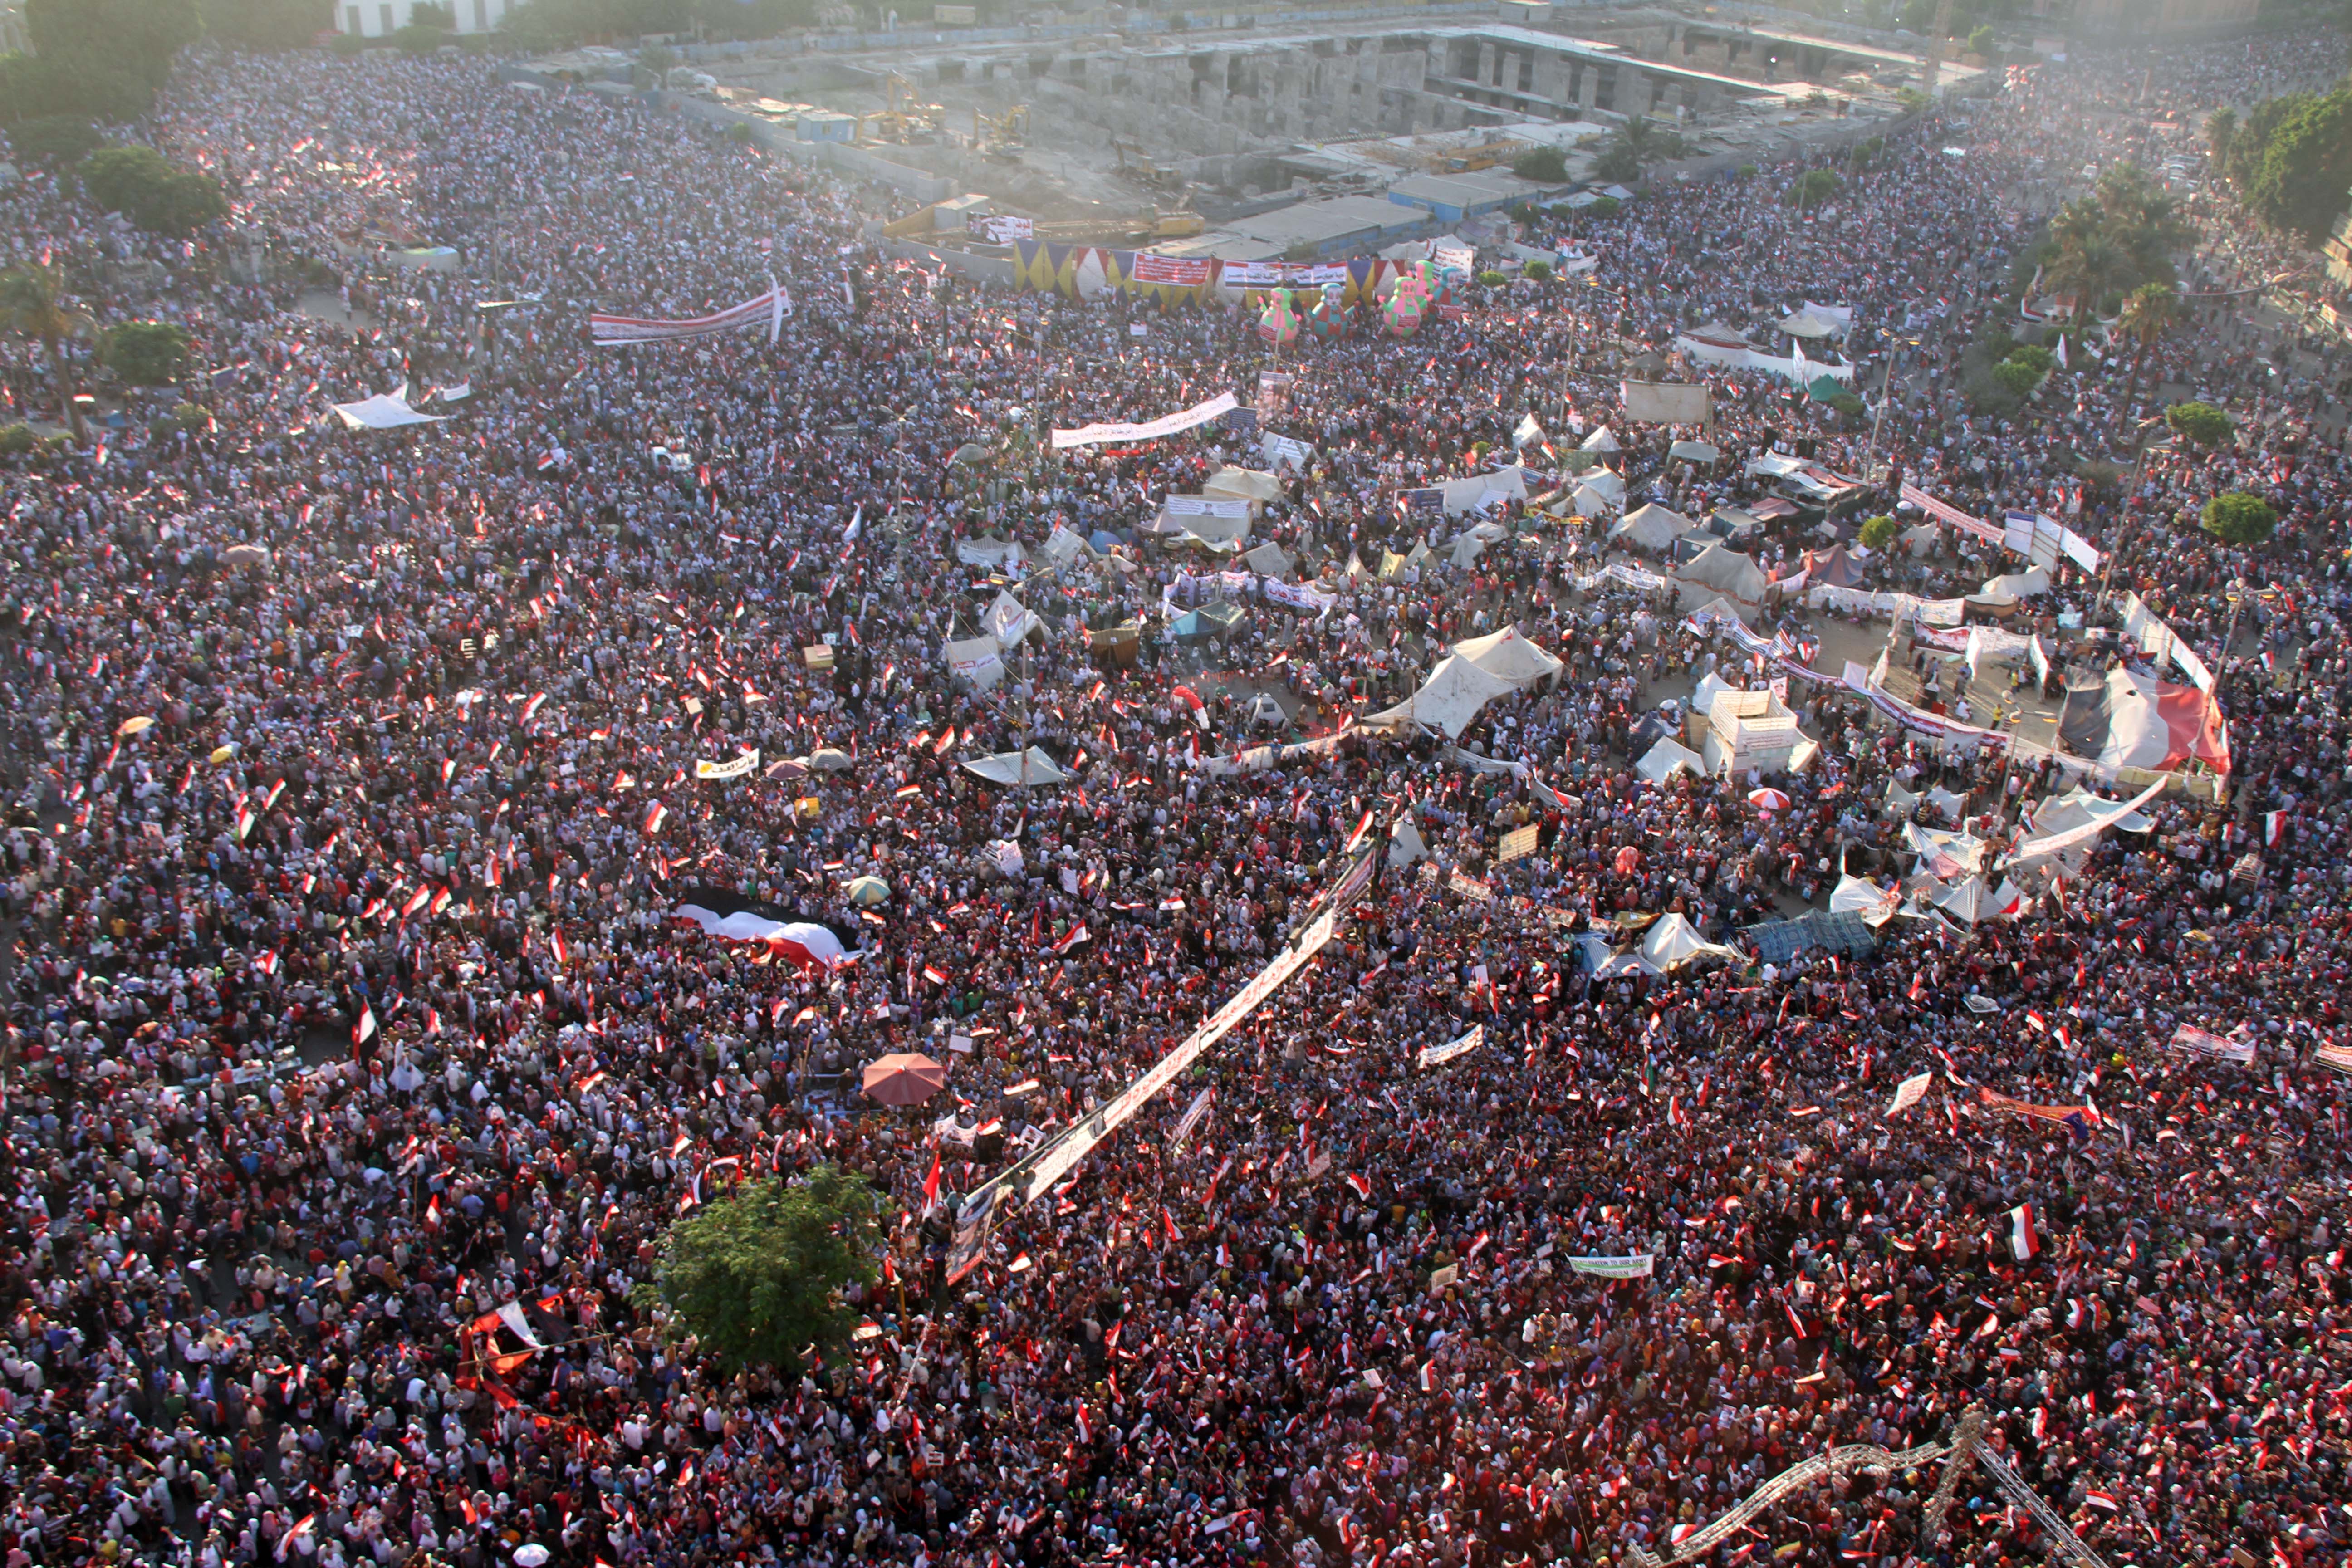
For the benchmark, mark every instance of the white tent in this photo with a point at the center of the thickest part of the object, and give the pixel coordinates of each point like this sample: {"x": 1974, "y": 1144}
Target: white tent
{"x": 1481, "y": 490}
{"x": 1507, "y": 656}
{"x": 1590, "y": 502}
{"x": 1804, "y": 324}
{"x": 1942, "y": 856}
{"x": 1703, "y": 694}
{"x": 1694, "y": 451}
{"x": 1447, "y": 702}
{"x": 1899, "y": 800}
{"x": 1472, "y": 540}
{"x": 1009, "y": 620}
{"x": 977, "y": 659}
{"x": 1268, "y": 560}
{"x": 1605, "y": 482}
{"x": 1970, "y": 900}
{"x": 2079, "y": 805}
{"x": 1602, "y": 440}
{"x": 1063, "y": 546}
{"x": 1661, "y": 761}
{"x": 1860, "y": 895}
{"x": 2018, "y": 584}
{"x": 382, "y": 412}
{"x": 1653, "y": 527}
{"x": 1030, "y": 767}
{"x": 1405, "y": 844}
{"x": 1673, "y": 941}
{"x": 1716, "y": 570}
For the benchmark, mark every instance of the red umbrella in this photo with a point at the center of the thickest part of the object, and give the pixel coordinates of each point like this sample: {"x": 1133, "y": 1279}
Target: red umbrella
{"x": 1767, "y": 800}
{"x": 903, "y": 1077}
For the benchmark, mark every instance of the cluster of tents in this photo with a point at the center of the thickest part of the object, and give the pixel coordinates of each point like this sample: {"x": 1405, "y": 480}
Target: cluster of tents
{"x": 1965, "y": 877}
{"x": 1470, "y": 676}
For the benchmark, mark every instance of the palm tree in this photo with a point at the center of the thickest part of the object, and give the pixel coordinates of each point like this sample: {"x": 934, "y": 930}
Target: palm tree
{"x": 2148, "y": 311}
{"x": 32, "y": 302}
{"x": 2140, "y": 219}
{"x": 2085, "y": 271}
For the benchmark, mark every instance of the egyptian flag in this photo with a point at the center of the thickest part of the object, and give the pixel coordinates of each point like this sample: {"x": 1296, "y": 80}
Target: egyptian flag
{"x": 735, "y": 918}
{"x": 2273, "y": 829}
{"x": 2022, "y": 1241}
{"x": 1552, "y": 798}
{"x": 931, "y": 1182}
{"x": 364, "y": 1030}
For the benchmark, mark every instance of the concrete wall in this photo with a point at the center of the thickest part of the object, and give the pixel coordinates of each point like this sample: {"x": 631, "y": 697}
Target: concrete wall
{"x": 853, "y": 163}
{"x": 989, "y": 269}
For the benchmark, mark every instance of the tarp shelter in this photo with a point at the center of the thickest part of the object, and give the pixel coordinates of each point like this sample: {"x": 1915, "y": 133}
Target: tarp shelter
{"x": 1862, "y": 897}
{"x": 977, "y": 659}
{"x": 1507, "y": 656}
{"x": 1661, "y": 761}
{"x": 1777, "y": 942}
{"x": 1942, "y": 856}
{"x": 1702, "y": 693}
{"x": 1467, "y": 545}
{"x": 1268, "y": 560}
{"x": 1219, "y": 618}
{"x": 1804, "y": 324}
{"x": 1406, "y": 843}
{"x": 1971, "y": 901}
{"x": 988, "y": 551}
{"x": 1218, "y": 533}
{"x": 2137, "y": 721}
{"x": 1030, "y": 767}
{"x": 1653, "y": 528}
{"x": 1447, "y": 702}
{"x": 1063, "y": 546}
{"x": 1602, "y": 440}
{"x": 1606, "y": 483}
{"x": 1717, "y": 571}
{"x": 1589, "y": 501}
{"x": 1673, "y": 941}
{"x": 1823, "y": 388}
{"x": 382, "y": 412}
{"x": 2018, "y": 584}
{"x": 1694, "y": 452}
{"x": 1833, "y": 566}
{"x": 1253, "y": 484}
{"x": 1008, "y": 620}
{"x": 2078, "y": 806}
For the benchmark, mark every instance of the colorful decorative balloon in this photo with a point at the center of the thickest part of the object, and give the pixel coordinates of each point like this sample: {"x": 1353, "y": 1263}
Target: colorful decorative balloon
{"x": 1329, "y": 319}
{"x": 1279, "y": 325}
{"x": 1403, "y": 312}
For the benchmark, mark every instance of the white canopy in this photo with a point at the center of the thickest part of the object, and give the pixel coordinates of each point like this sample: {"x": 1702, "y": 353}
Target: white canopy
{"x": 1971, "y": 901}
{"x": 988, "y": 551}
{"x": 1602, "y": 440}
{"x": 1009, "y": 620}
{"x": 1652, "y": 527}
{"x": 1406, "y": 843}
{"x": 1507, "y": 656}
{"x": 1860, "y": 895}
{"x": 2079, "y": 805}
{"x": 1447, "y": 702}
{"x": 1695, "y": 451}
{"x": 1481, "y": 490}
{"x": 1718, "y": 571}
{"x": 1268, "y": 560}
{"x": 1255, "y": 484}
{"x": 1662, "y": 760}
{"x": 1673, "y": 941}
{"x": 2020, "y": 584}
{"x": 1472, "y": 540}
{"x": 978, "y": 660}
{"x": 1030, "y": 767}
{"x": 1703, "y": 694}
{"x": 382, "y": 412}
{"x": 1942, "y": 856}
{"x": 1063, "y": 545}
{"x": 1607, "y": 483}
{"x": 1804, "y": 324}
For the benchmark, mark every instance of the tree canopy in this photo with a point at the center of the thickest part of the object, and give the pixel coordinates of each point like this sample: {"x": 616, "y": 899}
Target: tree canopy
{"x": 2200, "y": 423}
{"x": 2236, "y": 518}
{"x": 102, "y": 58}
{"x": 155, "y": 194}
{"x": 754, "y": 1275}
{"x": 148, "y": 354}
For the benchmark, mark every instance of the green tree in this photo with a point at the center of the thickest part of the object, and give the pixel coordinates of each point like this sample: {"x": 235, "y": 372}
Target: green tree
{"x": 1617, "y": 164}
{"x": 260, "y": 25}
{"x": 2138, "y": 216}
{"x": 1605, "y": 207}
{"x": 55, "y": 137}
{"x": 2033, "y": 357}
{"x": 1813, "y": 187}
{"x": 137, "y": 38}
{"x": 1544, "y": 166}
{"x": 2016, "y": 379}
{"x": 32, "y": 302}
{"x": 754, "y": 1275}
{"x": 49, "y": 86}
{"x": 148, "y": 354}
{"x": 1878, "y": 532}
{"x": 2148, "y": 313}
{"x": 2236, "y": 518}
{"x": 2086, "y": 266}
{"x": 155, "y": 194}
{"x": 2220, "y": 127}
{"x": 1538, "y": 270}
{"x": 2198, "y": 424}
{"x": 1980, "y": 42}
{"x": 2306, "y": 166}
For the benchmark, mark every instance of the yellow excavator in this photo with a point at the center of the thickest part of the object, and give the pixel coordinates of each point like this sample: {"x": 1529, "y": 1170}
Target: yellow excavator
{"x": 907, "y": 118}
{"x": 1004, "y": 135}
{"x": 1134, "y": 165}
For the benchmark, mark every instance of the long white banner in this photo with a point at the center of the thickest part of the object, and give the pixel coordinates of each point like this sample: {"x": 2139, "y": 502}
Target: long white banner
{"x": 1149, "y": 430}
{"x": 771, "y": 308}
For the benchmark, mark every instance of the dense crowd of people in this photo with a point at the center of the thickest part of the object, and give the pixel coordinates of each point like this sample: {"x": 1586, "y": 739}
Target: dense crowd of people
{"x": 356, "y": 790}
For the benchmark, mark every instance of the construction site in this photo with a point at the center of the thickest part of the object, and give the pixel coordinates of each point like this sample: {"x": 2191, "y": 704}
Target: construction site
{"x": 1246, "y": 142}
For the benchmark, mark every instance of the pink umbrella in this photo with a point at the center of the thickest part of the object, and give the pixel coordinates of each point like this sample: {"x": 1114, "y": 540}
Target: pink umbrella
{"x": 1767, "y": 800}
{"x": 903, "y": 1077}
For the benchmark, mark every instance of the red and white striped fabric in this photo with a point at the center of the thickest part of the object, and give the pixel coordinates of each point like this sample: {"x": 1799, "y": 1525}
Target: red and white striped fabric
{"x": 769, "y": 308}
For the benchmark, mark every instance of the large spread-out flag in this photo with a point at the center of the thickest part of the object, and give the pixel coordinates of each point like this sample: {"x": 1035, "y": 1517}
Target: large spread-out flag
{"x": 2022, "y": 1241}
{"x": 735, "y": 918}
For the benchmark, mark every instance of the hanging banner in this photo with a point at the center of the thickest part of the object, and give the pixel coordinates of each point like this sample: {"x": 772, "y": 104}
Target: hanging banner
{"x": 1942, "y": 512}
{"x": 1191, "y": 1117}
{"x": 768, "y": 310}
{"x": 1635, "y": 1266}
{"x": 734, "y": 770}
{"x": 1438, "y": 1056}
{"x": 2186, "y": 1039}
{"x": 1174, "y": 424}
